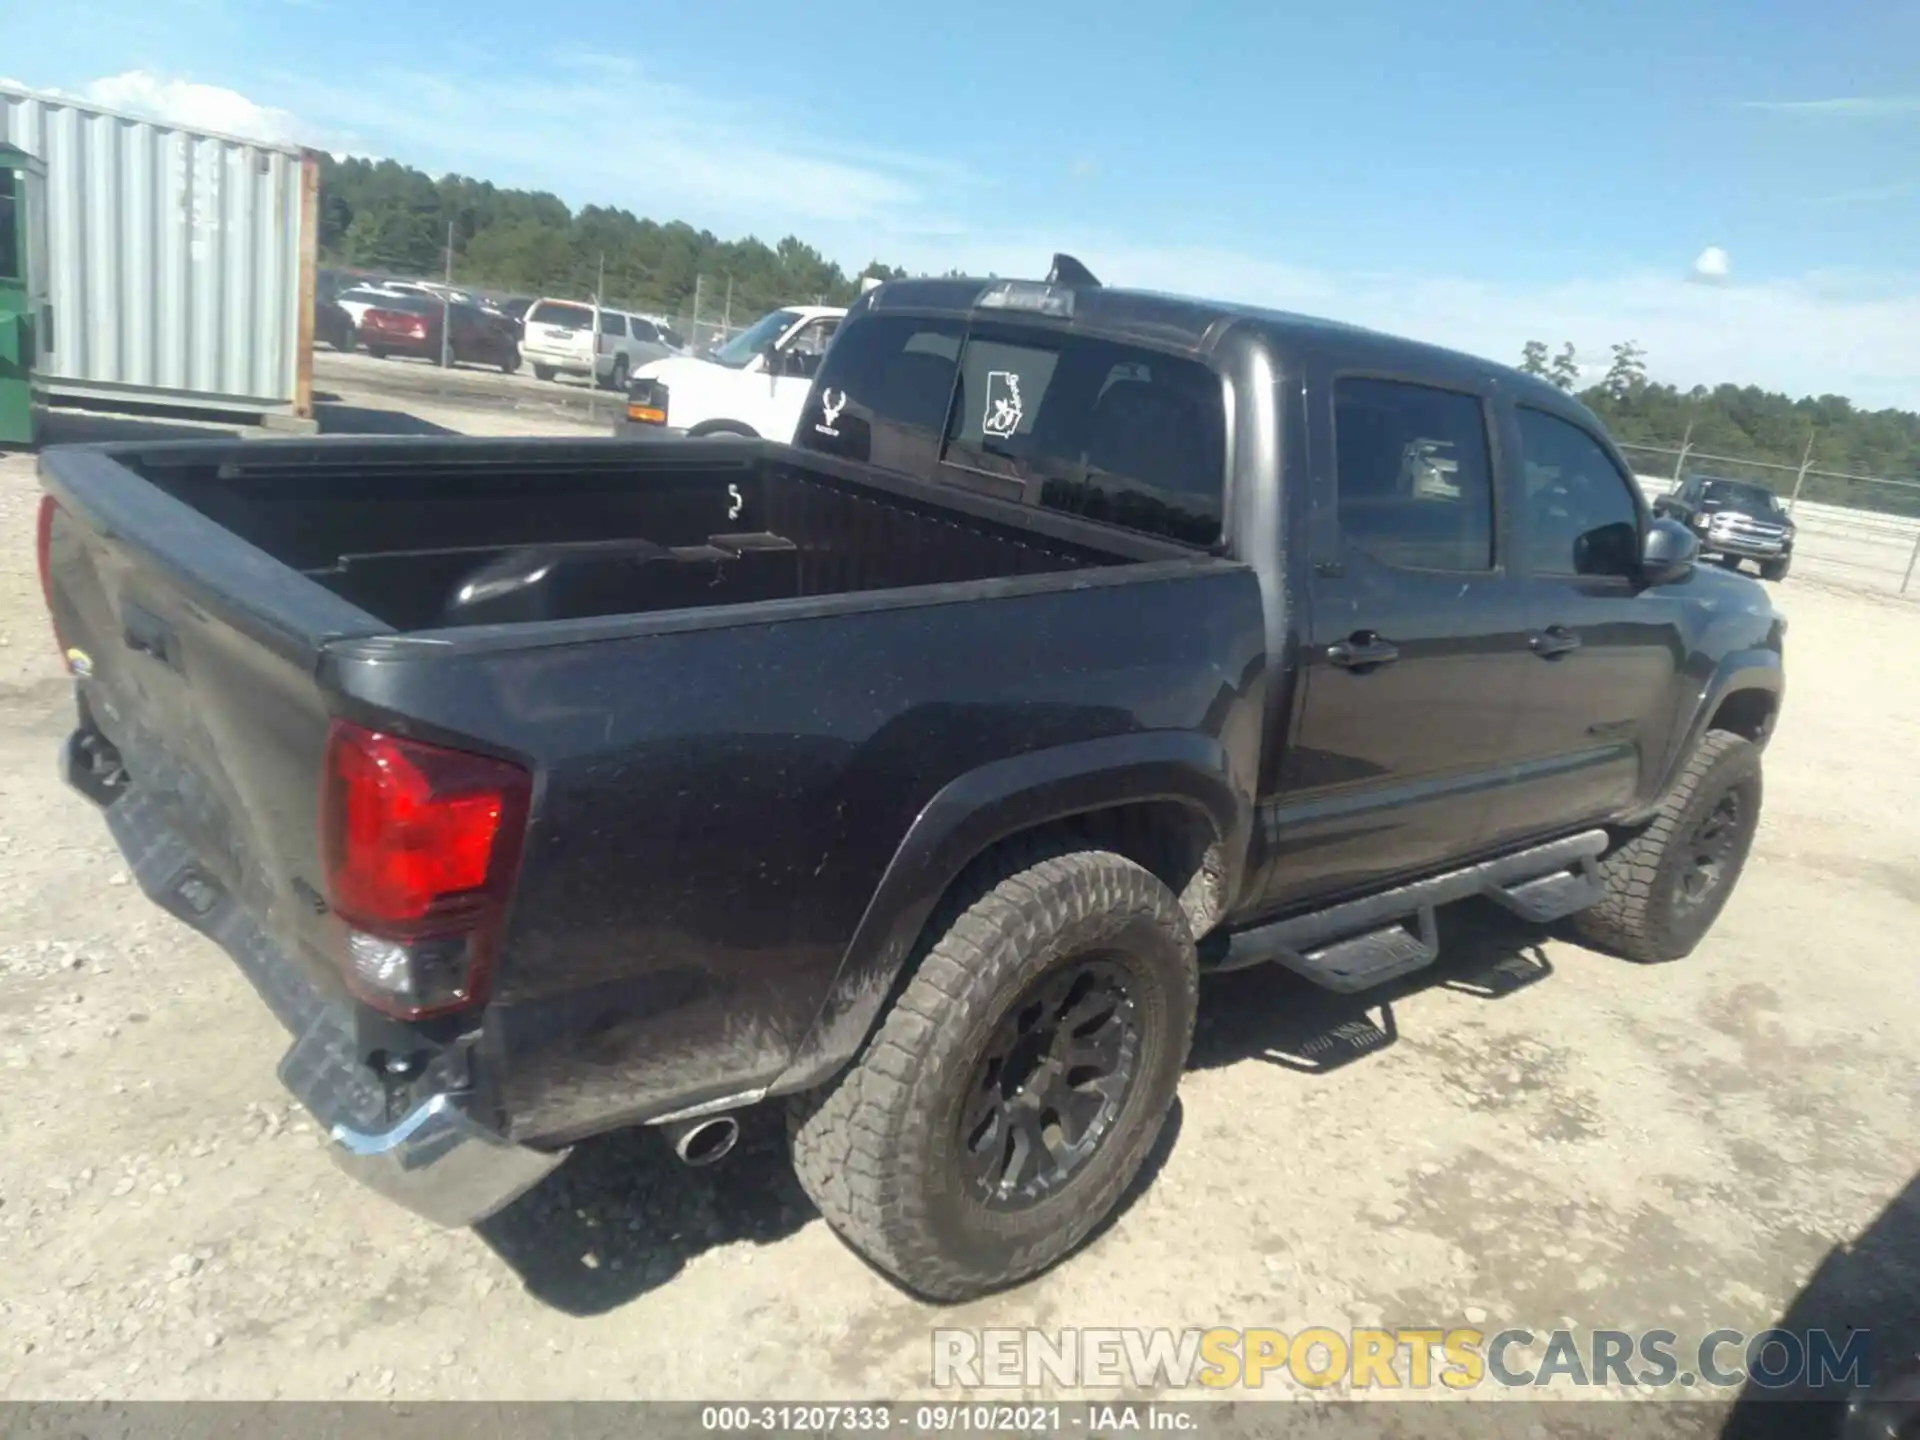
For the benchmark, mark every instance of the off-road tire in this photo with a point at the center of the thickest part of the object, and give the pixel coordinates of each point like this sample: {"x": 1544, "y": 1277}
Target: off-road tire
{"x": 878, "y": 1148}
{"x": 377, "y": 352}
{"x": 1643, "y": 871}
{"x": 510, "y": 363}
{"x": 620, "y": 376}
{"x": 543, "y": 372}
{"x": 1776, "y": 569}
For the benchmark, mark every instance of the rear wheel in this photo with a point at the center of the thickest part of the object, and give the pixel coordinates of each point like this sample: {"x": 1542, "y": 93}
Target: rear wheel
{"x": 510, "y": 362}
{"x": 543, "y": 372}
{"x": 622, "y": 372}
{"x": 376, "y": 352}
{"x": 1776, "y": 569}
{"x": 1016, "y": 1085}
{"x": 1668, "y": 883}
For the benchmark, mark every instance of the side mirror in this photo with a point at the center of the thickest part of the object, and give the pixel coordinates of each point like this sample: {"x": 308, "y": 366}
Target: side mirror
{"x": 1668, "y": 553}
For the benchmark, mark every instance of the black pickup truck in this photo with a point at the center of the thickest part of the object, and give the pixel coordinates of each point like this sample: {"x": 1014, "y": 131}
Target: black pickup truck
{"x": 1084, "y": 641}
{"x": 1736, "y": 520}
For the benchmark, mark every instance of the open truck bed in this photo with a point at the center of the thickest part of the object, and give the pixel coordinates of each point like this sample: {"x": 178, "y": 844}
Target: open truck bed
{"x": 434, "y": 534}
{"x": 674, "y": 707}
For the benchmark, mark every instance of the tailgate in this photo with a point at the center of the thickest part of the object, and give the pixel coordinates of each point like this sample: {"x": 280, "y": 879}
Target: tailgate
{"x": 195, "y": 657}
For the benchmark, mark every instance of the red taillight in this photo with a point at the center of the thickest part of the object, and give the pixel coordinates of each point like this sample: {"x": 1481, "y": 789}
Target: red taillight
{"x": 43, "y": 550}
{"x": 422, "y": 844}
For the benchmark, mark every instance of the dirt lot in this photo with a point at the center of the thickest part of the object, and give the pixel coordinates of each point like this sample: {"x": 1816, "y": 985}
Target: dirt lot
{"x": 1610, "y": 1146}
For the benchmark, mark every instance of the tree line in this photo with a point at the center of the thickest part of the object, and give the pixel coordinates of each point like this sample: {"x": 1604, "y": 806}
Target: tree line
{"x": 384, "y": 216}
{"x": 381, "y": 215}
{"x": 1751, "y": 424}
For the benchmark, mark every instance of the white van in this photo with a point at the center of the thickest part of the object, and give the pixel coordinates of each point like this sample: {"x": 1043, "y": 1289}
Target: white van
{"x": 732, "y": 389}
{"x": 558, "y": 340}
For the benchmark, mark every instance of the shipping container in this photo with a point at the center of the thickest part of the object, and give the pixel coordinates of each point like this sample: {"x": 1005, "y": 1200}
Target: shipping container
{"x": 181, "y": 263}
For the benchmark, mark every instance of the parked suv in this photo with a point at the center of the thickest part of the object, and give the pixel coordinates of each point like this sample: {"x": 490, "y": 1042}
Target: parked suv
{"x": 910, "y": 776}
{"x": 1736, "y": 520}
{"x": 557, "y": 339}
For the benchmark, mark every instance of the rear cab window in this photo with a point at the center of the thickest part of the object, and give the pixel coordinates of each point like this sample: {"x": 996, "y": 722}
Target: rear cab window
{"x": 562, "y": 315}
{"x": 1108, "y": 431}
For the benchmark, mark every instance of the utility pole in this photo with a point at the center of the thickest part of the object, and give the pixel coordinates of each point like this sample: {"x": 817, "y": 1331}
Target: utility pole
{"x": 726, "y": 315}
{"x": 1680, "y": 464}
{"x": 698, "y": 281}
{"x": 599, "y": 295}
{"x": 1805, "y": 460}
{"x": 446, "y": 308}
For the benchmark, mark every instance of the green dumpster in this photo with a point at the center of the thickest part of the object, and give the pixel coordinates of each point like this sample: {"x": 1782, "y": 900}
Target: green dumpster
{"x": 26, "y": 317}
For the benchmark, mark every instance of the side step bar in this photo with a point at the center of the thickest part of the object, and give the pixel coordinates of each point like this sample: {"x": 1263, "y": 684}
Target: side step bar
{"x": 1366, "y": 942}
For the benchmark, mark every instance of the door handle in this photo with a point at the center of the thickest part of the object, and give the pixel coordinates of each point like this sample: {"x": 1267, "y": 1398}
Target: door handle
{"x": 1362, "y": 650}
{"x": 1554, "y": 641}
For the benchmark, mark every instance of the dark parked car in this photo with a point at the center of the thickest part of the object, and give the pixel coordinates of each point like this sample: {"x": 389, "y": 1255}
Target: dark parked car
{"x": 1736, "y": 520}
{"x": 332, "y": 325}
{"x": 1087, "y": 641}
{"x": 401, "y": 325}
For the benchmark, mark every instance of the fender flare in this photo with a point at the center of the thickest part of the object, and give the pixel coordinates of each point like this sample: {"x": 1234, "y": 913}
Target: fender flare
{"x": 978, "y": 810}
{"x": 1759, "y": 670}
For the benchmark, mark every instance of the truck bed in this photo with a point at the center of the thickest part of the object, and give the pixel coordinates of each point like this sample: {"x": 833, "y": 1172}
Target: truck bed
{"x": 435, "y": 534}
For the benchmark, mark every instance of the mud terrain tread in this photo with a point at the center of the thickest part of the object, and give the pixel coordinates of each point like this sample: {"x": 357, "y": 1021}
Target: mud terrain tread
{"x": 1633, "y": 920}
{"x": 845, "y": 1134}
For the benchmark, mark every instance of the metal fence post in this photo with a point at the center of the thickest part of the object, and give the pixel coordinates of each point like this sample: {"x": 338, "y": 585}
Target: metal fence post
{"x": 1801, "y": 479}
{"x": 1911, "y": 559}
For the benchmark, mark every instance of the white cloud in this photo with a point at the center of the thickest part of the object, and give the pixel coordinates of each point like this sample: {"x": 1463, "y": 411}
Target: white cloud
{"x": 194, "y": 106}
{"x": 1843, "y": 107}
{"x": 1712, "y": 265}
{"x": 597, "y": 128}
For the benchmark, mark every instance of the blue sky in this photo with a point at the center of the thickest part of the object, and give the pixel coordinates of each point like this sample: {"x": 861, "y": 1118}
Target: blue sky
{"x": 1473, "y": 173}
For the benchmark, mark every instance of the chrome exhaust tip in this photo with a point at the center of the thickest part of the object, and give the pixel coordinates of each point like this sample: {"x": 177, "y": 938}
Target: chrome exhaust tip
{"x": 706, "y": 1141}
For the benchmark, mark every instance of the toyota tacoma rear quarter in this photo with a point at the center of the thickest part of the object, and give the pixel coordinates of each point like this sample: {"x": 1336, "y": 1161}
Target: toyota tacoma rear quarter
{"x": 910, "y": 776}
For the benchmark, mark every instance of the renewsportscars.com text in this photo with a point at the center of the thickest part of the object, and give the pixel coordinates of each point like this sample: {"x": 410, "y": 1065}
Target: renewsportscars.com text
{"x": 1401, "y": 1358}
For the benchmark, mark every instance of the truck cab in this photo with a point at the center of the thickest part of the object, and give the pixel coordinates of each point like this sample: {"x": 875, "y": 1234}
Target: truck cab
{"x": 752, "y": 385}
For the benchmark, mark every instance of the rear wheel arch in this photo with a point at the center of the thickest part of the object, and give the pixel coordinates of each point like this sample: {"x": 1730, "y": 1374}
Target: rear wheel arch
{"x": 1173, "y": 811}
{"x": 1748, "y": 713}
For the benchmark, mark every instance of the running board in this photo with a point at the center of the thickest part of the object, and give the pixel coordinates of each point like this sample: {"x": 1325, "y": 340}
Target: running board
{"x": 1364, "y": 943}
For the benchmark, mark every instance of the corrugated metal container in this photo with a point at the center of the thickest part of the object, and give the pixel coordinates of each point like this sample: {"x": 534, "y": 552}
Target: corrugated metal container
{"x": 182, "y": 263}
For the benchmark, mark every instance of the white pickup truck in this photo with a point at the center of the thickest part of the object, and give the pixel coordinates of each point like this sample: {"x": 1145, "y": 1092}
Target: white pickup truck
{"x": 754, "y": 384}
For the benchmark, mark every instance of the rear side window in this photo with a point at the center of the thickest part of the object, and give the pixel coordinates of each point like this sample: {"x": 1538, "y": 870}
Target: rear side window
{"x": 611, "y": 324}
{"x": 1108, "y": 431}
{"x": 882, "y": 393}
{"x": 1414, "y": 479}
{"x": 554, "y": 312}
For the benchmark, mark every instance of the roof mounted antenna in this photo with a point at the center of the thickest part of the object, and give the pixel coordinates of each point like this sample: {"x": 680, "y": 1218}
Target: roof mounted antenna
{"x": 1069, "y": 271}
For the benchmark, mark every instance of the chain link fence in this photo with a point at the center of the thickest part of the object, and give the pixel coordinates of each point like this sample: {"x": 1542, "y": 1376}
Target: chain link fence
{"x": 1859, "y": 529}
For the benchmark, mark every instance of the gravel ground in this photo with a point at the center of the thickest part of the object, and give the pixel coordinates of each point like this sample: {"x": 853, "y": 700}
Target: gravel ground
{"x": 1610, "y": 1146}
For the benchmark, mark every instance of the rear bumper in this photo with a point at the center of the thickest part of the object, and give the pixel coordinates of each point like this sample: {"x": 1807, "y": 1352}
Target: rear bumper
{"x": 422, "y": 1151}
{"x": 564, "y": 362}
{"x": 409, "y": 345}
